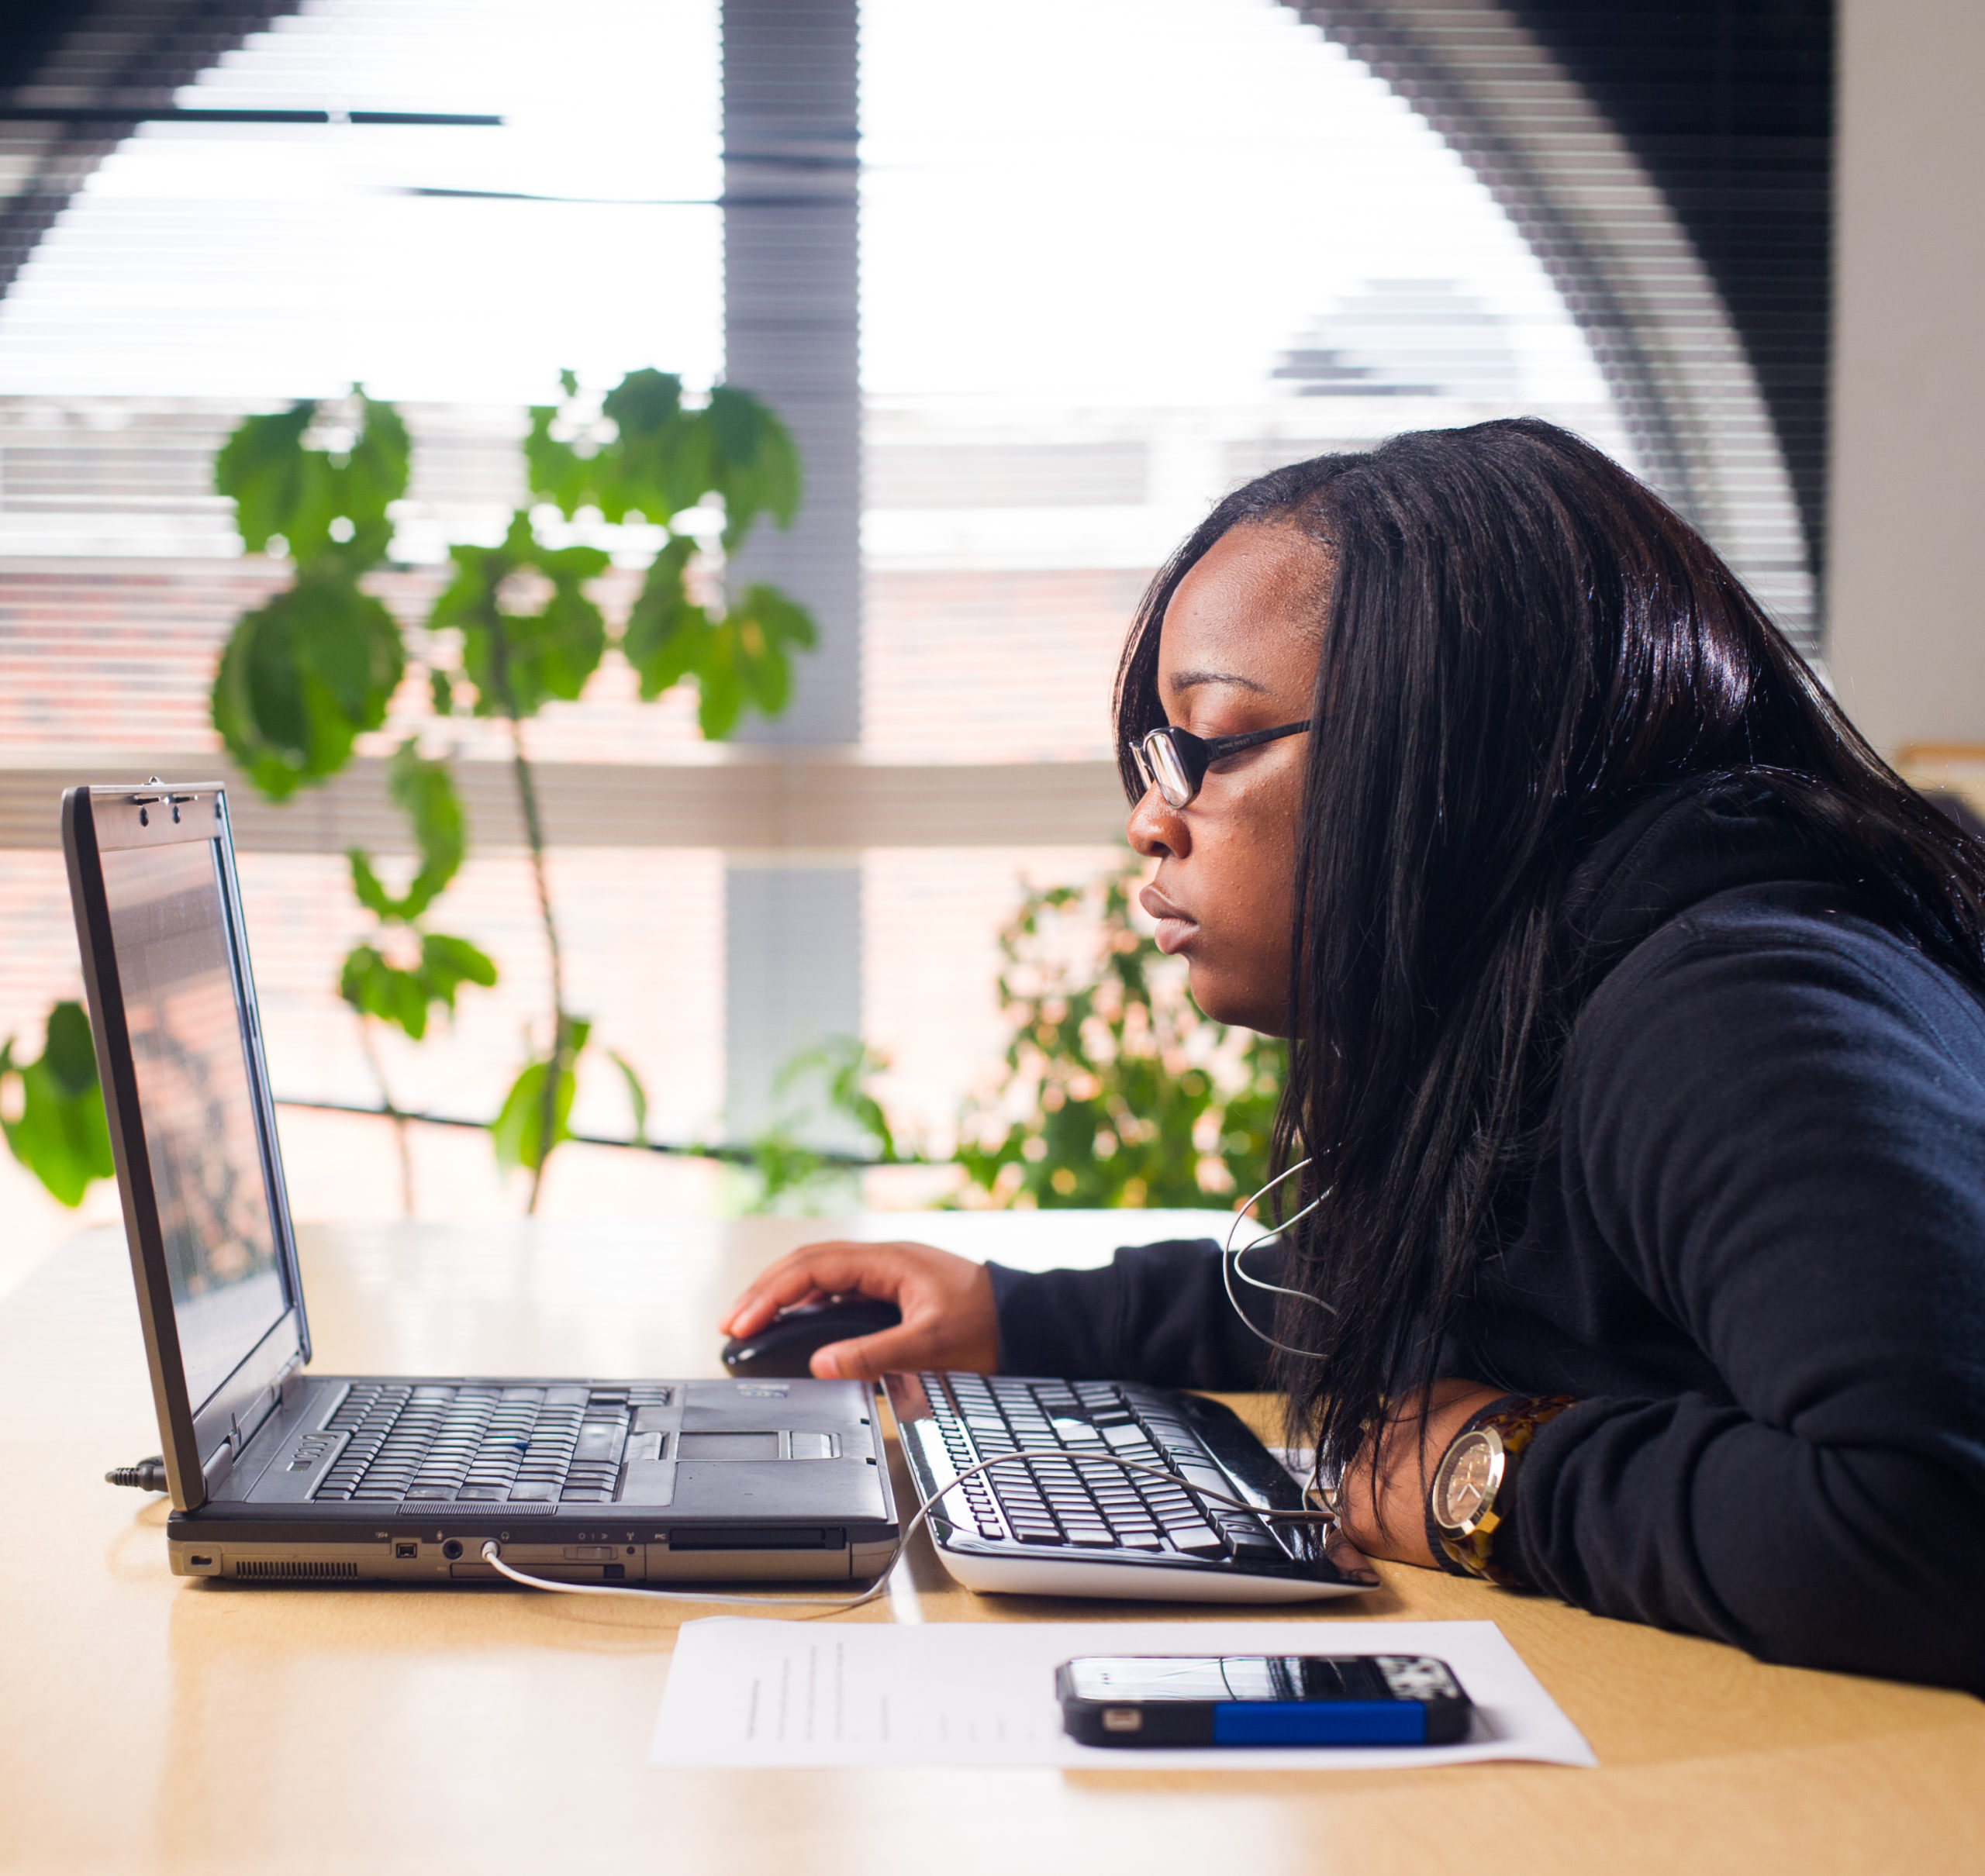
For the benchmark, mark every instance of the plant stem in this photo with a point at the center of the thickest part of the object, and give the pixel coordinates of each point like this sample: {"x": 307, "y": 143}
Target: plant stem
{"x": 559, "y": 1061}
{"x": 393, "y": 1111}
{"x": 556, "y": 1069}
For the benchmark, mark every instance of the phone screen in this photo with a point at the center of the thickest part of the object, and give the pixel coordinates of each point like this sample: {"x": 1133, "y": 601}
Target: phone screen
{"x": 1144, "y": 1678}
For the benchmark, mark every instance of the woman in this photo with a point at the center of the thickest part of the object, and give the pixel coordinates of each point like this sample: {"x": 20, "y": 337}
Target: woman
{"x": 1636, "y": 1021}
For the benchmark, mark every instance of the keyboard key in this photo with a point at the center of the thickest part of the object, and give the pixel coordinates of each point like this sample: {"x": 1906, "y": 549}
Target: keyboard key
{"x": 1202, "y": 1541}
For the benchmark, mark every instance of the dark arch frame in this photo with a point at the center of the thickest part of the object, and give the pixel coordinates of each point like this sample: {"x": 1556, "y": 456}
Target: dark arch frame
{"x": 91, "y": 57}
{"x": 1555, "y": 105}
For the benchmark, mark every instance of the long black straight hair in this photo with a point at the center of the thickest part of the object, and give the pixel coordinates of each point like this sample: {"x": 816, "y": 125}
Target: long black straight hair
{"x": 1520, "y": 642}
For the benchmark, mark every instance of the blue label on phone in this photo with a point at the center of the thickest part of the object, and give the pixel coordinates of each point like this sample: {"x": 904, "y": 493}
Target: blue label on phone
{"x": 1320, "y": 1722}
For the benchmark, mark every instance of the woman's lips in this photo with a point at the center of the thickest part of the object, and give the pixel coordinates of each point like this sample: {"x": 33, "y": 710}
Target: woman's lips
{"x": 1175, "y": 928}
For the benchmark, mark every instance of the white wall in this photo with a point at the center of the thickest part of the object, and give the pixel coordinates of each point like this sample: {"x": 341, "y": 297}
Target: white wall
{"x": 1906, "y": 585}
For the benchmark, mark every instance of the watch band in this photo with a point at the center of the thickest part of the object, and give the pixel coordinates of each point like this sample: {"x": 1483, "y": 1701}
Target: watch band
{"x": 1514, "y": 1419}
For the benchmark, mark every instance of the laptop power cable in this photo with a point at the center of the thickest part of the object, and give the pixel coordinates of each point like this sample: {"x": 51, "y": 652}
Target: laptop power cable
{"x": 492, "y": 1551}
{"x": 147, "y": 1475}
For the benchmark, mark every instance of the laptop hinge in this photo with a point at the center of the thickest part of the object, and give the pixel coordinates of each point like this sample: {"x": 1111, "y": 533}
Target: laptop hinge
{"x": 249, "y": 1424}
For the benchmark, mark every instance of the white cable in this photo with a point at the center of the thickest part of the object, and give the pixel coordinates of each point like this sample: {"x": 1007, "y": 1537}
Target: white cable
{"x": 493, "y": 1552}
{"x": 1231, "y": 1266}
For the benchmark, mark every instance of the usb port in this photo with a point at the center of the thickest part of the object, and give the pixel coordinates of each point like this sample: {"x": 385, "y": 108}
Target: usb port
{"x": 408, "y": 1552}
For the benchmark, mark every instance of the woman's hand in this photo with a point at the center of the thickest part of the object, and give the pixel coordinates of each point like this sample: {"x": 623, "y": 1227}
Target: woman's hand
{"x": 948, "y": 1318}
{"x": 1387, "y": 1516}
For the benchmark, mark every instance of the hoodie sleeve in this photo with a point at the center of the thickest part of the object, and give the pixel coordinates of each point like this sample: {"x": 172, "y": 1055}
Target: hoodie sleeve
{"x": 1156, "y": 1312}
{"x": 1777, "y": 1123}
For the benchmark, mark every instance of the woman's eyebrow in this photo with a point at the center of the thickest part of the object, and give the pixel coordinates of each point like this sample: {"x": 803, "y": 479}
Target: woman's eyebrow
{"x": 1187, "y": 680}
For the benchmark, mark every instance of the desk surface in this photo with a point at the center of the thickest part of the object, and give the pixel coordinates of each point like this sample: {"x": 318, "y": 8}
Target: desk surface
{"x": 149, "y": 1723}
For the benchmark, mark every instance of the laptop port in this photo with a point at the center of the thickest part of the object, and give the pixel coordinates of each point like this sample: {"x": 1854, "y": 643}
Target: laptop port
{"x": 614, "y": 1573}
{"x": 405, "y": 1552}
{"x": 201, "y": 1562}
{"x": 452, "y": 1550}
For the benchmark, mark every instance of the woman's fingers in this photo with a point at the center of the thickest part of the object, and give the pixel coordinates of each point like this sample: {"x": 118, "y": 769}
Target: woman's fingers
{"x": 949, "y": 1318}
{"x": 823, "y": 1269}
{"x": 870, "y": 1357}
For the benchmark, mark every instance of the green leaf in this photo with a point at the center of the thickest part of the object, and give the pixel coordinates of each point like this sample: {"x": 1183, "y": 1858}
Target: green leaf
{"x": 719, "y": 690}
{"x": 424, "y": 790}
{"x": 262, "y": 468}
{"x": 792, "y": 1176}
{"x": 754, "y": 464}
{"x": 441, "y": 691}
{"x": 663, "y": 459}
{"x": 375, "y": 987}
{"x": 746, "y": 661}
{"x": 843, "y": 1065}
{"x": 309, "y": 497}
{"x": 667, "y": 636}
{"x": 519, "y": 661}
{"x": 637, "y": 1095}
{"x": 368, "y": 888}
{"x": 660, "y": 462}
{"x": 70, "y": 1052}
{"x": 518, "y": 1130}
{"x": 555, "y": 471}
{"x": 446, "y": 963}
{"x": 644, "y": 405}
{"x": 302, "y": 676}
{"x": 61, "y": 1135}
{"x": 768, "y": 628}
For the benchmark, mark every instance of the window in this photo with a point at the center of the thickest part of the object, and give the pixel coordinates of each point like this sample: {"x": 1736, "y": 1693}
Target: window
{"x": 1114, "y": 260}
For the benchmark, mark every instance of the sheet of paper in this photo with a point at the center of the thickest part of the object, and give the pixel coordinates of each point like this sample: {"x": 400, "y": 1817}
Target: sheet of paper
{"x": 747, "y": 1692}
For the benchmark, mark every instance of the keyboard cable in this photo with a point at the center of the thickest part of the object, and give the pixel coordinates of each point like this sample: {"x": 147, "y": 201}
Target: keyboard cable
{"x": 492, "y": 1551}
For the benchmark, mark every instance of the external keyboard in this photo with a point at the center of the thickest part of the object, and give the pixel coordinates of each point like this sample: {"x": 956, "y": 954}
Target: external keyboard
{"x": 1082, "y": 1500}
{"x": 481, "y": 1445}
{"x": 1074, "y": 1522}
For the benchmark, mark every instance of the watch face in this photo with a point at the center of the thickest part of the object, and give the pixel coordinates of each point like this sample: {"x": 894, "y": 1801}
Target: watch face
{"x": 1468, "y": 1480}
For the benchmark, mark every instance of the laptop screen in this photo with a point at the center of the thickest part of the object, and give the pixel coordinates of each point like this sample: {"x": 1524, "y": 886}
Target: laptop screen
{"x": 189, "y": 1045}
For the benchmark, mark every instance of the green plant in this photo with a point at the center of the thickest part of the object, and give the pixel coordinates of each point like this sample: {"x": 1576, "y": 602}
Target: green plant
{"x": 57, "y": 1128}
{"x": 434, "y": 965}
{"x": 789, "y": 1176}
{"x": 1117, "y": 1091}
{"x": 305, "y": 674}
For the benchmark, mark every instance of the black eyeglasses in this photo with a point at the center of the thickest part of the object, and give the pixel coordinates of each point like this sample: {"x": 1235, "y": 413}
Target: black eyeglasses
{"x": 1174, "y": 761}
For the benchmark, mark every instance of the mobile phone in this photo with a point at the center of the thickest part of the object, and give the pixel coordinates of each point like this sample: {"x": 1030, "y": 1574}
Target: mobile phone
{"x": 1262, "y": 1700}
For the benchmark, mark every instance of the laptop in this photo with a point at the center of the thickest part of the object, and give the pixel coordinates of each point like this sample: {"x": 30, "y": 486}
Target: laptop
{"x": 277, "y": 1473}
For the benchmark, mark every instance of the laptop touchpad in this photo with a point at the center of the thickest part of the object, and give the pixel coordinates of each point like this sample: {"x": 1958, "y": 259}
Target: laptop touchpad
{"x": 757, "y": 1446}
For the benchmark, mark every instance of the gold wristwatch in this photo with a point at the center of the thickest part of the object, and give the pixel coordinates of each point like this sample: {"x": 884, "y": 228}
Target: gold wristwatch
{"x": 1474, "y": 1484}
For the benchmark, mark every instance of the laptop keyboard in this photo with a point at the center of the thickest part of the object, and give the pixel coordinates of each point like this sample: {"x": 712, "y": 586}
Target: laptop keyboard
{"x": 480, "y": 1445}
{"x": 1080, "y": 1502}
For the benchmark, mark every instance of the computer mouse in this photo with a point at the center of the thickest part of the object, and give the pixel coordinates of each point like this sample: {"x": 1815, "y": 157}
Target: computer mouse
{"x": 785, "y": 1346}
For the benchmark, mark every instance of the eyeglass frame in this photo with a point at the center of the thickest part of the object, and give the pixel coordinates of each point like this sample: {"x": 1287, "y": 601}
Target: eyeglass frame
{"x": 1192, "y": 755}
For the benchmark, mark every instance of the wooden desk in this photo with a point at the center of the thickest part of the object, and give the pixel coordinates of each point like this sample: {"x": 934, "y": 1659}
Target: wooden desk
{"x": 151, "y": 1723}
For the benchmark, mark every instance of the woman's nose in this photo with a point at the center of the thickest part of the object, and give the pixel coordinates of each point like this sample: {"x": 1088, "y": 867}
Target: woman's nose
{"x": 1157, "y": 828}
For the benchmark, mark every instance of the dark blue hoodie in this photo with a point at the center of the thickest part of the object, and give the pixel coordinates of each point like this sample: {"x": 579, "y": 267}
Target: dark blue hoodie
{"x": 1754, "y": 1247}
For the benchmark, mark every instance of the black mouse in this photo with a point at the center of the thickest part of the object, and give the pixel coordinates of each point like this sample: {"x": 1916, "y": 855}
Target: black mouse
{"x": 785, "y": 1346}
